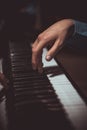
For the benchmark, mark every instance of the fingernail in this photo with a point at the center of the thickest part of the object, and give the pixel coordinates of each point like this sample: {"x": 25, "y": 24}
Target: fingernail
{"x": 48, "y": 58}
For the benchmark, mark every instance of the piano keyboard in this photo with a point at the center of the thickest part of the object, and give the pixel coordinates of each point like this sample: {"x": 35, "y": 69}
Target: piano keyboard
{"x": 41, "y": 101}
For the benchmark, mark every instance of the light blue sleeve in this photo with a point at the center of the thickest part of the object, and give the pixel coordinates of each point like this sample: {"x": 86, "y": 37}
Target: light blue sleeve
{"x": 81, "y": 28}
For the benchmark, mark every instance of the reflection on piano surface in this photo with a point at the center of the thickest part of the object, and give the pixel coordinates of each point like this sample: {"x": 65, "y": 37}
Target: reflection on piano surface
{"x": 39, "y": 101}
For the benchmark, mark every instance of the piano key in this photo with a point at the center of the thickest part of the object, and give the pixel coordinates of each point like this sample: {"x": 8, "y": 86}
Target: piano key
{"x": 31, "y": 87}
{"x": 17, "y": 54}
{"x": 31, "y": 84}
{"x": 29, "y": 78}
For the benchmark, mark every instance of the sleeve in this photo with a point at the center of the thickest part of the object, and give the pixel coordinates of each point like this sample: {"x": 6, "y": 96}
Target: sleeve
{"x": 81, "y": 28}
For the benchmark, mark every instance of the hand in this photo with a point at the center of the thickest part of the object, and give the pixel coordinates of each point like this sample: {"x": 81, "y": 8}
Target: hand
{"x": 54, "y": 36}
{"x": 4, "y": 81}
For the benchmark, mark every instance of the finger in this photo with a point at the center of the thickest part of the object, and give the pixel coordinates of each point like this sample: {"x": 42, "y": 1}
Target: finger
{"x": 36, "y": 54}
{"x": 4, "y": 81}
{"x": 34, "y": 60}
{"x": 41, "y": 42}
{"x": 38, "y": 41}
{"x": 54, "y": 49}
{"x": 40, "y": 64}
{"x": 35, "y": 43}
{"x": 40, "y": 67}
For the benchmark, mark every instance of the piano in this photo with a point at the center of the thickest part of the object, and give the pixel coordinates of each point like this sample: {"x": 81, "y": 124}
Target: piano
{"x": 49, "y": 101}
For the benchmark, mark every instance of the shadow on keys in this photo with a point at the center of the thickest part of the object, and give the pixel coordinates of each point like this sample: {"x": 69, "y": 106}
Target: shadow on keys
{"x": 53, "y": 71}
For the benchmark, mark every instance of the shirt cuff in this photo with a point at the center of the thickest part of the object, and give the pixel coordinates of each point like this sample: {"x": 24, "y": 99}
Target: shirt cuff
{"x": 80, "y": 28}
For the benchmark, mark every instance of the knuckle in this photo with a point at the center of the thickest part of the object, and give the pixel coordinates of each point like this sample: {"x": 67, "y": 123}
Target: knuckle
{"x": 40, "y": 37}
{"x": 34, "y": 50}
{"x": 33, "y": 45}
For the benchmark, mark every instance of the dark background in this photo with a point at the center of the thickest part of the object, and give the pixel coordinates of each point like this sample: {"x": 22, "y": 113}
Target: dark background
{"x": 50, "y": 11}
{"x": 17, "y": 21}
{"x": 58, "y": 9}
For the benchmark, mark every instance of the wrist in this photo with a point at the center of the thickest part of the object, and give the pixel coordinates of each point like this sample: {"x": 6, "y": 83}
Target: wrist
{"x": 71, "y": 27}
